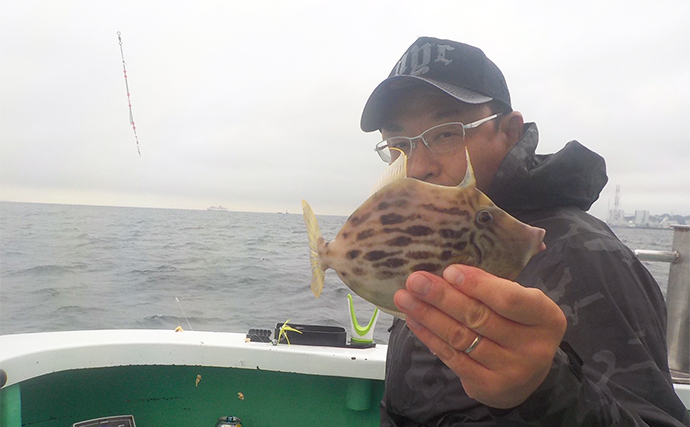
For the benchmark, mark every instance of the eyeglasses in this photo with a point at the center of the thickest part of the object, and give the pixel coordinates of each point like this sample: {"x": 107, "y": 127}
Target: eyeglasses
{"x": 438, "y": 139}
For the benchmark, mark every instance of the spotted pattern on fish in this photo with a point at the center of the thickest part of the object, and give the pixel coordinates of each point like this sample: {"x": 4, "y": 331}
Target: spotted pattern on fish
{"x": 447, "y": 233}
{"x": 455, "y": 211}
{"x": 356, "y": 220}
{"x": 420, "y": 255}
{"x": 377, "y": 255}
{"x": 419, "y": 230}
{"x": 399, "y": 241}
{"x": 391, "y": 218}
{"x": 427, "y": 266}
{"x": 381, "y": 275}
{"x": 409, "y": 225}
{"x": 391, "y": 263}
{"x": 365, "y": 234}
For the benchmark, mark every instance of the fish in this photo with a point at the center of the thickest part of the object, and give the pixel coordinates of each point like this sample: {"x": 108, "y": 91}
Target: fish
{"x": 409, "y": 225}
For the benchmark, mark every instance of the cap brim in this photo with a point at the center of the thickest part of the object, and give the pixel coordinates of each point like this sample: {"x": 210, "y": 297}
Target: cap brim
{"x": 372, "y": 115}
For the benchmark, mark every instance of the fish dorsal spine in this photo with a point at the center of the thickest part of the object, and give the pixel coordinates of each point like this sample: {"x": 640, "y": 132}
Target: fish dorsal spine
{"x": 469, "y": 181}
{"x": 394, "y": 172}
{"x": 398, "y": 170}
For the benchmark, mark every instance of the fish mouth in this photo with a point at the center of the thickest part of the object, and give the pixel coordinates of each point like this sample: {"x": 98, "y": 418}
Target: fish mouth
{"x": 478, "y": 254}
{"x": 537, "y": 239}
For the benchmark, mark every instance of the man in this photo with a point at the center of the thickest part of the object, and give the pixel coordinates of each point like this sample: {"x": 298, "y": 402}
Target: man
{"x": 580, "y": 338}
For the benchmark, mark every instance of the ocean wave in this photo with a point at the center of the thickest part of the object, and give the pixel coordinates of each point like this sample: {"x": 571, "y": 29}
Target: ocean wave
{"x": 164, "y": 268}
{"x": 45, "y": 270}
{"x": 79, "y": 310}
{"x": 47, "y": 292}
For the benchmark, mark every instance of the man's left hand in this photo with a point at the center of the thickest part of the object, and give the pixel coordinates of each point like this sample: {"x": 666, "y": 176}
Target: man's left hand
{"x": 519, "y": 328}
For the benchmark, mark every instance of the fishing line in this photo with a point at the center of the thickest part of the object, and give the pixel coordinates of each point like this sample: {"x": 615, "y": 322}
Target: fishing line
{"x": 185, "y": 316}
{"x": 129, "y": 99}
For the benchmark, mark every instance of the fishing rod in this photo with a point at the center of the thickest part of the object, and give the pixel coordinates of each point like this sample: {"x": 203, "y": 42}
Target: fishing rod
{"x": 129, "y": 99}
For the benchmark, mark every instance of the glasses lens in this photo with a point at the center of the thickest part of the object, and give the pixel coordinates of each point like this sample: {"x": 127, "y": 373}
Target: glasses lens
{"x": 390, "y": 149}
{"x": 383, "y": 151}
{"x": 400, "y": 144}
{"x": 384, "y": 154}
{"x": 446, "y": 137}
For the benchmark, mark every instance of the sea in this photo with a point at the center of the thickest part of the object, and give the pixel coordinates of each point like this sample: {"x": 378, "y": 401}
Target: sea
{"x": 75, "y": 267}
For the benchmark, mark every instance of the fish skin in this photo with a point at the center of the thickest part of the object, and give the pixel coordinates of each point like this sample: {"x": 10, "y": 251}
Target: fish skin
{"x": 410, "y": 225}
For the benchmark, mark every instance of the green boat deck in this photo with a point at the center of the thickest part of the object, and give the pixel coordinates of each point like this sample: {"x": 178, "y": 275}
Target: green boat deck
{"x": 169, "y": 396}
{"x": 185, "y": 379}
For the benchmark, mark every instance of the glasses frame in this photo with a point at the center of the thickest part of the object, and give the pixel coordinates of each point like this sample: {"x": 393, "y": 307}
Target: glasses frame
{"x": 383, "y": 151}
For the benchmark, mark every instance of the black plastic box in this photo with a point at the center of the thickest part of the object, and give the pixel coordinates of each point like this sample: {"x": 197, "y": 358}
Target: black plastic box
{"x": 332, "y": 336}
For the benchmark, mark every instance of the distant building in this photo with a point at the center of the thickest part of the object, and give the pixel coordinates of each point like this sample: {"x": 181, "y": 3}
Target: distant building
{"x": 641, "y": 219}
{"x": 616, "y": 215}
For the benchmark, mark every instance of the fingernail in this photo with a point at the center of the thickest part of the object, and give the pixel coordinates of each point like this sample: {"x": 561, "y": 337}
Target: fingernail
{"x": 418, "y": 284}
{"x": 454, "y": 275}
{"x": 404, "y": 300}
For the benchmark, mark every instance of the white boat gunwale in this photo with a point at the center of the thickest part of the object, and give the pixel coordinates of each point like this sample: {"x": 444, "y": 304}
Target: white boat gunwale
{"x": 27, "y": 356}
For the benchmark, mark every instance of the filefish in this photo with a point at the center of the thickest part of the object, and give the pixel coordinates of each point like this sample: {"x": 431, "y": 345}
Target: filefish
{"x": 409, "y": 225}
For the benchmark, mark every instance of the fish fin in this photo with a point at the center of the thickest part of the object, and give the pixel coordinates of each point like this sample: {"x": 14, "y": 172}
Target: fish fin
{"x": 394, "y": 172}
{"x": 393, "y": 313}
{"x": 317, "y": 271}
{"x": 468, "y": 181}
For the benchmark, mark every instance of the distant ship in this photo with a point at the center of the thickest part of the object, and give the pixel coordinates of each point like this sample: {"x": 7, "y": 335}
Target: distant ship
{"x": 217, "y": 208}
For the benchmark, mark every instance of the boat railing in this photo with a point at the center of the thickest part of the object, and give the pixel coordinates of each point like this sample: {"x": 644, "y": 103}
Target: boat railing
{"x": 677, "y": 301}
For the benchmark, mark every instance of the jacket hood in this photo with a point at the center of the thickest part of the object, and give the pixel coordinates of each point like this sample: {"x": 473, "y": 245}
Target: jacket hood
{"x": 573, "y": 176}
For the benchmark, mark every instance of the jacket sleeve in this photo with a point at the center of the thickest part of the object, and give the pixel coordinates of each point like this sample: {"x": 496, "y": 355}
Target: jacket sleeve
{"x": 568, "y": 398}
{"x": 614, "y": 370}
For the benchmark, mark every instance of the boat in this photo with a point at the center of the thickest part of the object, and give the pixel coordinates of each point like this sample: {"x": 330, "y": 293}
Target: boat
{"x": 176, "y": 378}
{"x": 164, "y": 377}
{"x": 217, "y": 208}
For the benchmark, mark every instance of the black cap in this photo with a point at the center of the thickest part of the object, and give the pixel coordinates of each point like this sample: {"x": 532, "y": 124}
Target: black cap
{"x": 460, "y": 70}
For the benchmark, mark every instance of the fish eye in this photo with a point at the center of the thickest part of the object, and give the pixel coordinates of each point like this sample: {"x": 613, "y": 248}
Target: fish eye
{"x": 484, "y": 218}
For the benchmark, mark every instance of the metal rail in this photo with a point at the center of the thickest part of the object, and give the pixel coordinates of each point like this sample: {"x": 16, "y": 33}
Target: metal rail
{"x": 677, "y": 301}
{"x": 657, "y": 256}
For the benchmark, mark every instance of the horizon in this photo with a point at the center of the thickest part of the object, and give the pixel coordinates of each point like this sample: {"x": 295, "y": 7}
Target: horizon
{"x": 684, "y": 216}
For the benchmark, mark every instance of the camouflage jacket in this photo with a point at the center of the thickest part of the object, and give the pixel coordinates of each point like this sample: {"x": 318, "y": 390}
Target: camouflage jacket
{"x": 612, "y": 368}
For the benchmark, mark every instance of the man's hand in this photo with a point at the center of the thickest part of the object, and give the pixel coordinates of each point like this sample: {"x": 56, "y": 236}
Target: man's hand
{"x": 520, "y": 330}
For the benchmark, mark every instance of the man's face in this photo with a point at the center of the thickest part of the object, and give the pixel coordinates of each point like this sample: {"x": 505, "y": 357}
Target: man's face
{"x": 487, "y": 145}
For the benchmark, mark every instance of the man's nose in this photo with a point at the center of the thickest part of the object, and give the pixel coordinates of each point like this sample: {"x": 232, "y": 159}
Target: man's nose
{"x": 420, "y": 162}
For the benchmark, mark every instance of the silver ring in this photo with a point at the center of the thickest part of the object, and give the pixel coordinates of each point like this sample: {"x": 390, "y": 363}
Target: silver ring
{"x": 473, "y": 345}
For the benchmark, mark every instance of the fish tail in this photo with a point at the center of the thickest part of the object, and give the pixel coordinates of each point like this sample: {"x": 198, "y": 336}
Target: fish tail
{"x": 314, "y": 233}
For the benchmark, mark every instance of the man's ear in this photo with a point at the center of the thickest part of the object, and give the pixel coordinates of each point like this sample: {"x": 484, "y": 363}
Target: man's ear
{"x": 512, "y": 125}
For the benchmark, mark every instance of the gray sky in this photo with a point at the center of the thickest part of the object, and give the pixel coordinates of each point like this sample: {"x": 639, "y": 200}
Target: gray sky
{"x": 255, "y": 105}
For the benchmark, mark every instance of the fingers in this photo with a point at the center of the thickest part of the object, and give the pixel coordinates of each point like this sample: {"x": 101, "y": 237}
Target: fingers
{"x": 526, "y": 306}
{"x": 507, "y": 315}
{"x": 480, "y": 366}
{"x": 456, "y": 317}
{"x": 456, "y": 335}
{"x": 520, "y": 330}
{"x": 461, "y": 362}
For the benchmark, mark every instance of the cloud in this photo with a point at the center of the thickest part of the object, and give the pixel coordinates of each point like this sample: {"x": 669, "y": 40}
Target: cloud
{"x": 257, "y": 107}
